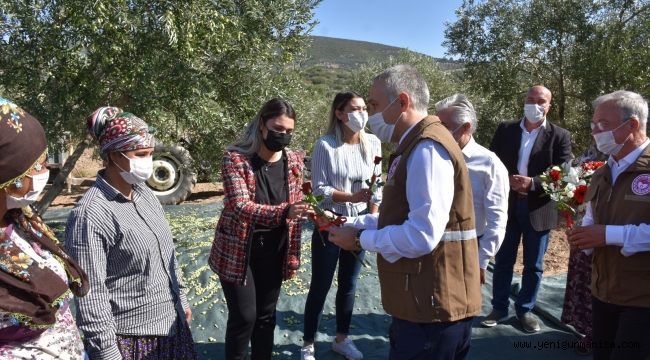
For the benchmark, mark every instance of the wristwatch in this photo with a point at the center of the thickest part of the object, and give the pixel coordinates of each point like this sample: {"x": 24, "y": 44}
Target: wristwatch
{"x": 357, "y": 240}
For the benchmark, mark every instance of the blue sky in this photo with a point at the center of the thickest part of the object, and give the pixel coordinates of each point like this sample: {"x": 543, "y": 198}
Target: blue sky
{"x": 415, "y": 24}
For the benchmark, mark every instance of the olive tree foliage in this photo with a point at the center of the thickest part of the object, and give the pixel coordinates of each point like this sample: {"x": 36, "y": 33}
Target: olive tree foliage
{"x": 573, "y": 47}
{"x": 196, "y": 70}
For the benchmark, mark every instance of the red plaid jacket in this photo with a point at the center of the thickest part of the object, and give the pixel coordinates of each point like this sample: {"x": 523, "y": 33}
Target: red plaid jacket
{"x": 231, "y": 246}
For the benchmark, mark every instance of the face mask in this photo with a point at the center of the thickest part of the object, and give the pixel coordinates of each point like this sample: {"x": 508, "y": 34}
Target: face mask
{"x": 38, "y": 184}
{"x": 453, "y": 132}
{"x": 357, "y": 120}
{"x": 277, "y": 141}
{"x": 606, "y": 143}
{"x": 379, "y": 126}
{"x": 534, "y": 113}
{"x": 141, "y": 170}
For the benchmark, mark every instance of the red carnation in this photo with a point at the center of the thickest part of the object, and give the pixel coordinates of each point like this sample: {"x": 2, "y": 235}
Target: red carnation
{"x": 295, "y": 171}
{"x": 306, "y": 187}
{"x": 592, "y": 165}
{"x": 579, "y": 194}
{"x": 378, "y": 160}
{"x": 556, "y": 175}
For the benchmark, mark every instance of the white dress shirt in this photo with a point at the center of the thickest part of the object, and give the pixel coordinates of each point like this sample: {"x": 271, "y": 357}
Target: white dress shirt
{"x": 490, "y": 190}
{"x": 527, "y": 142}
{"x": 631, "y": 238}
{"x": 429, "y": 192}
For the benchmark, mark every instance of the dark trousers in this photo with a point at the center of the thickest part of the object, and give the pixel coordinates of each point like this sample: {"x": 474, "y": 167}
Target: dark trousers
{"x": 251, "y": 309}
{"x": 324, "y": 257}
{"x": 535, "y": 244}
{"x": 432, "y": 341}
{"x": 620, "y": 332}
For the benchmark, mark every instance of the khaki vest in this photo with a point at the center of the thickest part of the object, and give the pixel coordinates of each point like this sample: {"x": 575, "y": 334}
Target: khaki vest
{"x": 444, "y": 285}
{"x": 618, "y": 279}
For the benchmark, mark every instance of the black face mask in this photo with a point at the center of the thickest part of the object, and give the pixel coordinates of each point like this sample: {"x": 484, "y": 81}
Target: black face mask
{"x": 277, "y": 141}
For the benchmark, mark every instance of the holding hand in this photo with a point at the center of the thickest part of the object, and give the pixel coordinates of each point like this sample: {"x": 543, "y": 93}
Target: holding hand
{"x": 587, "y": 237}
{"x": 363, "y": 195}
{"x": 299, "y": 210}
{"x": 521, "y": 184}
{"x": 344, "y": 237}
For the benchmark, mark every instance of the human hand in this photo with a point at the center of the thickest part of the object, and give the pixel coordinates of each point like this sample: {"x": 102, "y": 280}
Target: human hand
{"x": 362, "y": 195}
{"x": 188, "y": 315}
{"x": 587, "y": 237}
{"x": 344, "y": 237}
{"x": 521, "y": 184}
{"x": 324, "y": 219}
{"x": 299, "y": 210}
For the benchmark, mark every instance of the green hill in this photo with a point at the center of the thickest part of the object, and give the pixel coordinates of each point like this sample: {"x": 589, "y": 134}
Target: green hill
{"x": 347, "y": 54}
{"x": 343, "y": 53}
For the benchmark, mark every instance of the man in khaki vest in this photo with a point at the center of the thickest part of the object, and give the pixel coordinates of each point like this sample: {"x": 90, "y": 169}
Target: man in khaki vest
{"x": 424, "y": 234}
{"x": 616, "y": 228}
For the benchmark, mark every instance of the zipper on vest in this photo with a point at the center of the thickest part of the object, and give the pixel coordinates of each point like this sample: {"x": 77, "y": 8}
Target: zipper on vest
{"x": 406, "y": 287}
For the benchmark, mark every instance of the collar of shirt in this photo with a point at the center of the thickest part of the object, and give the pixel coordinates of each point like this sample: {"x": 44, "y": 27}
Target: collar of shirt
{"x": 470, "y": 148}
{"x": 525, "y": 131}
{"x": 406, "y": 133}
{"x": 629, "y": 159}
{"x": 112, "y": 193}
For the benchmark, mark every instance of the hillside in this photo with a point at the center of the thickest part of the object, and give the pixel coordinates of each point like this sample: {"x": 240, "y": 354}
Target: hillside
{"x": 347, "y": 54}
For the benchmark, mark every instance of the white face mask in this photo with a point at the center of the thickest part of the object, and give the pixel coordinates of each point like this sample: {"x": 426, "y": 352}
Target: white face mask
{"x": 379, "y": 126}
{"x": 357, "y": 120}
{"x": 141, "y": 170}
{"x": 606, "y": 143}
{"x": 38, "y": 184}
{"x": 534, "y": 113}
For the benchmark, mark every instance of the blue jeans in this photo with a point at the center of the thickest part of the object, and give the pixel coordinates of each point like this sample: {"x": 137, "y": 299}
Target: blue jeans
{"x": 433, "y": 341}
{"x": 323, "y": 265}
{"x": 535, "y": 244}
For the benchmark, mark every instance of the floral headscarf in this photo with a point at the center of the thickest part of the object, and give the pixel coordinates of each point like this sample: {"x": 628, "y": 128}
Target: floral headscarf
{"x": 22, "y": 143}
{"x": 116, "y": 130}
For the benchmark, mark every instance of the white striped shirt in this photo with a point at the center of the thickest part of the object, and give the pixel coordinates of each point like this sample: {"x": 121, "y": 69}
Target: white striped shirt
{"x": 126, "y": 249}
{"x": 342, "y": 167}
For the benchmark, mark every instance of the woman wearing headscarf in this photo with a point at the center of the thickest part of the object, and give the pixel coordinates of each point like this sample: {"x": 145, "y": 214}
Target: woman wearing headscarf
{"x": 137, "y": 307}
{"x": 343, "y": 159}
{"x": 37, "y": 278}
{"x": 257, "y": 239}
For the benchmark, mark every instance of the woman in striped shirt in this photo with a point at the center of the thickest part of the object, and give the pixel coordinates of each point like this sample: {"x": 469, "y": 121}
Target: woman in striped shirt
{"x": 342, "y": 161}
{"x": 136, "y": 308}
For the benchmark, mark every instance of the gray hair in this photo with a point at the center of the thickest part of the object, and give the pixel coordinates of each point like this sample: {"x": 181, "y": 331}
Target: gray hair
{"x": 405, "y": 78}
{"x": 629, "y": 104}
{"x": 462, "y": 110}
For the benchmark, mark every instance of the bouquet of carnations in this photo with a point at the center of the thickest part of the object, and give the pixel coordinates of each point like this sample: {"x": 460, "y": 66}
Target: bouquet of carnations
{"x": 567, "y": 186}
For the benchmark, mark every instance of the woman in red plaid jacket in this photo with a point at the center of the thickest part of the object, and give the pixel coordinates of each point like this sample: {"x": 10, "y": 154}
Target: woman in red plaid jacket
{"x": 257, "y": 240}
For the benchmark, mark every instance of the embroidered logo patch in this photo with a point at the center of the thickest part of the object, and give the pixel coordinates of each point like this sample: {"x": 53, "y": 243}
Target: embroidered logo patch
{"x": 641, "y": 184}
{"x": 393, "y": 166}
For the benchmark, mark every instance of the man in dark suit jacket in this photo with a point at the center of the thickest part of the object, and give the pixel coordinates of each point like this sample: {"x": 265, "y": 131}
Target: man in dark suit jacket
{"x": 526, "y": 147}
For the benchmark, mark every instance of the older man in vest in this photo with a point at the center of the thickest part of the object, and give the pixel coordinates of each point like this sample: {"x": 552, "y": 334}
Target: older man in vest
{"x": 424, "y": 234}
{"x": 616, "y": 228}
{"x": 489, "y": 177}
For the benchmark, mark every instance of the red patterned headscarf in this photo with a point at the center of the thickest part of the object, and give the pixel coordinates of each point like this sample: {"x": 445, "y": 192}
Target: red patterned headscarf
{"x": 118, "y": 131}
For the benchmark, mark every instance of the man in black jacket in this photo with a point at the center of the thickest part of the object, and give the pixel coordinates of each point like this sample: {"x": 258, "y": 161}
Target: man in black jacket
{"x": 527, "y": 147}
